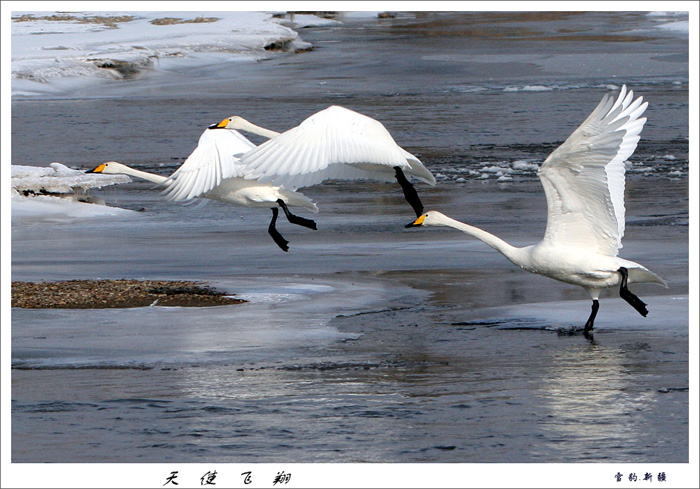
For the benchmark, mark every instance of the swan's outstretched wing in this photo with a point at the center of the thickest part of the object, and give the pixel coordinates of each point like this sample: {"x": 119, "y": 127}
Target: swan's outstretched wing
{"x": 214, "y": 159}
{"x": 333, "y": 144}
{"x": 584, "y": 178}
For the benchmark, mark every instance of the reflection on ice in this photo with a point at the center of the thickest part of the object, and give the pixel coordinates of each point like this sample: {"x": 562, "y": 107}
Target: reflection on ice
{"x": 666, "y": 313}
{"x": 279, "y": 320}
{"x": 605, "y": 394}
{"x": 285, "y": 293}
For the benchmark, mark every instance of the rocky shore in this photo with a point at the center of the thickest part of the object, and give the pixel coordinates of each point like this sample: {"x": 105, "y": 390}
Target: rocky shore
{"x": 101, "y": 294}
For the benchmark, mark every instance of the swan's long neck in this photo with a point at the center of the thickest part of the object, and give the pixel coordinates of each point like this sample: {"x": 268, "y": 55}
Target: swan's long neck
{"x": 511, "y": 252}
{"x": 243, "y": 125}
{"x": 151, "y": 177}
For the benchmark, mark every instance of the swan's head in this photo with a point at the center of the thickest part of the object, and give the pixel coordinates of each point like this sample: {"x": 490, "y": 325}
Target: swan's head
{"x": 431, "y": 218}
{"x": 233, "y": 122}
{"x": 110, "y": 167}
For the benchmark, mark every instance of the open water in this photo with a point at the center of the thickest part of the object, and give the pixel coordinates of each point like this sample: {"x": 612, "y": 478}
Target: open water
{"x": 367, "y": 342}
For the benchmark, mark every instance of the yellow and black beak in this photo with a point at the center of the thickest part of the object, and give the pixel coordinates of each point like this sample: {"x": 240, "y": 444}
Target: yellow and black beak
{"x": 220, "y": 125}
{"x": 417, "y": 222}
{"x": 99, "y": 169}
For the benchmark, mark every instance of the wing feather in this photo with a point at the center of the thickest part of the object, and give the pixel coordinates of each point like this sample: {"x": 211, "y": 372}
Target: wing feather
{"x": 584, "y": 178}
{"x": 212, "y": 161}
{"x": 336, "y": 136}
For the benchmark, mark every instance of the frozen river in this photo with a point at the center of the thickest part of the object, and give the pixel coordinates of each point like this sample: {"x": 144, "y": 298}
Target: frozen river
{"x": 367, "y": 342}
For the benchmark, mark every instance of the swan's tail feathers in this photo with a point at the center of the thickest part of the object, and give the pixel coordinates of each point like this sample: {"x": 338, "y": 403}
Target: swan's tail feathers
{"x": 642, "y": 275}
{"x": 295, "y": 198}
{"x": 417, "y": 169}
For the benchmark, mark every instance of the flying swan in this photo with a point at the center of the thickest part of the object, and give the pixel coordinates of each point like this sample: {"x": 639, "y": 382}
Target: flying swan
{"x": 213, "y": 171}
{"x": 584, "y": 183}
{"x": 333, "y": 144}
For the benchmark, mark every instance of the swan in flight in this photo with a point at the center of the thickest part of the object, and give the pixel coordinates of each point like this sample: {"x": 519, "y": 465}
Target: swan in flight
{"x": 584, "y": 183}
{"x": 213, "y": 171}
{"x": 333, "y": 144}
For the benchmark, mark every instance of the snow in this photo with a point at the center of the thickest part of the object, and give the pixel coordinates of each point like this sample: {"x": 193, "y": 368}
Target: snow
{"x": 67, "y": 186}
{"x": 58, "y": 178}
{"x": 45, "y": 207}
{"x": 668, "y": 21}
{"x": 104, "y": 46}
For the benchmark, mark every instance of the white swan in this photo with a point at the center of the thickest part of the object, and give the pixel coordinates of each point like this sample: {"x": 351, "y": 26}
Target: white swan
{"x": 333, "y": 144}
{"x": 584, "y": 182}
{"x": 212, "y": 171}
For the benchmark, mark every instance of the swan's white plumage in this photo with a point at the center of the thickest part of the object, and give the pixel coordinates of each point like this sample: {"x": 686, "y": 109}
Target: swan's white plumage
{"x": 584, "y": 182}
{"x": 214, "y": 159}
{"x": 213, "y": 171}
{"x": 333, "y": 144}
{"x": 233, "y": 190}
{"x": 584, "y": 178}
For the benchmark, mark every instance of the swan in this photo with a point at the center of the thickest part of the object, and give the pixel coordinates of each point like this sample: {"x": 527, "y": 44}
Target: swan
{"x": 212, "y": 171}
{"x": 333, "y": 144}
{"x": 584, "y": 182}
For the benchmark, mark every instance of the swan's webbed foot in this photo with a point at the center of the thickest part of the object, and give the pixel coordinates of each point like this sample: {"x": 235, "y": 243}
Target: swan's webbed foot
{"x": 409, "y": 191}
{"x": 301, "y": 221}
{"x": 276, "y": 236}
{"x": 628, "y": 296}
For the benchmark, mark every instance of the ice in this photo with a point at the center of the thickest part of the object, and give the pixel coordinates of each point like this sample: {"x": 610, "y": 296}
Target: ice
{"x": 41, "y": 208}
{"x": 58, "y": 178}
{"x": 297, "y": 315}
{"x": 670, "y": 21}
{"x": 664, "y": 13}
{"x": 666, "y": 316}
{"x": 286, "y": 293}
{"x": 59, "y": 192}
{"x": 369, "y": 14}
{"x": 680, "y": 26}
{"x": 46, "y": 50}
{"x": 336, "y": 298}
{"x": 307, "y": 20}
{"x": 496, "y": 169}
{"x": 523, "y": 165}
{"x": 529, "y": 88}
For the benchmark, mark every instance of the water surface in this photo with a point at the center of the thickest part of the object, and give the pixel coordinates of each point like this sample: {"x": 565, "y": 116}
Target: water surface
{"x": 367, "y": 342}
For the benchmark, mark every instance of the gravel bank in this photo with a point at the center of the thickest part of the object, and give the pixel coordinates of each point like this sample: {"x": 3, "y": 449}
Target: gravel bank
{"x": 101, "y": 294}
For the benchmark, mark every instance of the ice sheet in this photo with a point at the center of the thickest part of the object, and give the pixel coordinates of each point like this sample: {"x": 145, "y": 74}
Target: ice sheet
{"x": 57, "y": 192}
{"x": 58, "y": 178}
{"x": 56, "y": 51}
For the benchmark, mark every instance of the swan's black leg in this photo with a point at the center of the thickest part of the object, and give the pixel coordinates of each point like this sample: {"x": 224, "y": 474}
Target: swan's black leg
{"x": 301, "y": 221}
{"x": 631, "y": 299}
{"x": 281, "y": 242}
{"x": 589, "y": 324}
{"x": 409, "y": 191}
